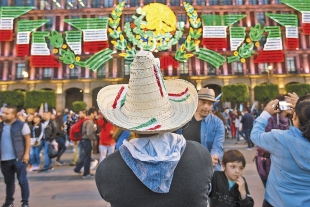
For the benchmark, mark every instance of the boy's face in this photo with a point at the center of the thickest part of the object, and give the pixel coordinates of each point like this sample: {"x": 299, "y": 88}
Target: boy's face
{"x": 233, "y": 170}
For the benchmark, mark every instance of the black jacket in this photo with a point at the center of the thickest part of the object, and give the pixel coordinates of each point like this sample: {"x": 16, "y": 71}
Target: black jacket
{"x": 220, "y": 196}
{"x": 50, "y": 131}
{"x": 118, "y": 185}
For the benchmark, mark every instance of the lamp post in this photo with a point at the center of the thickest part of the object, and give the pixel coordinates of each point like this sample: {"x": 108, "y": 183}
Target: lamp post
{"x": 25, "y": 74}
{"x": 269, "y": 68}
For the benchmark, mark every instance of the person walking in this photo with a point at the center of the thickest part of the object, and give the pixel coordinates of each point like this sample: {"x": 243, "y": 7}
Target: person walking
{"x": 107, "y": 143}
{"x": 49, "y": 134}
{"x": 206, "y": 128}
{"x": 15, "y": 153}
{"x": 288, "y": 182}
{"x": 160, "y": 168}
{"x": 247, "y": 125}
{"x": 37, "y": 135}
{"x": 88, "y": 135}
{"x": 60, "y": 139}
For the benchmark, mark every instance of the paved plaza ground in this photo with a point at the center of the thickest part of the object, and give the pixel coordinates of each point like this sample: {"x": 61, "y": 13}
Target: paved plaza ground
{"x": 62, "y": 187}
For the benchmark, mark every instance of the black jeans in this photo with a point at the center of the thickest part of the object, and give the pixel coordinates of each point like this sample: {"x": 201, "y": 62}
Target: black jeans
{"x": 247, "y": 133}
{"x": 85, "y": 157}
{"x": 61, "y": 147}
{"x": 8, "y": 169}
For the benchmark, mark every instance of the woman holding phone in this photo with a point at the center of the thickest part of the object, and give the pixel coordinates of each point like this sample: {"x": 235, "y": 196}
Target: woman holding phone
{"x": 289, "y": 177}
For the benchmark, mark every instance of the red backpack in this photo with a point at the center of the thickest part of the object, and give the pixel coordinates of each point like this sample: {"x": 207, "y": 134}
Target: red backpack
{"x": 76, "y": 130}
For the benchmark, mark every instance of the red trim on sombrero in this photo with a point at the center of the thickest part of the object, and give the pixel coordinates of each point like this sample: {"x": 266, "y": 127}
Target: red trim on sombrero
{"x": 155, "y": 127}
{"x": 158, "y": 81}
{"x": 179, "y": 94}
{"x": 118, "y": 97}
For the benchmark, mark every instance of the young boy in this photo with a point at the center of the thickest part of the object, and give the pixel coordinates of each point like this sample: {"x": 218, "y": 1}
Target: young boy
{"x": 229, "y": 188}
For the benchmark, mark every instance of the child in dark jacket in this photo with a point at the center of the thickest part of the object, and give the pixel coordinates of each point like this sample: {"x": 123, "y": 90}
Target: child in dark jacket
{"x": 229, "y": 188}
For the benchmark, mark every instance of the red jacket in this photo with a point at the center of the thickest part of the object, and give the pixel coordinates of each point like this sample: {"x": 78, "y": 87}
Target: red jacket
{"x": 106, "y": 133}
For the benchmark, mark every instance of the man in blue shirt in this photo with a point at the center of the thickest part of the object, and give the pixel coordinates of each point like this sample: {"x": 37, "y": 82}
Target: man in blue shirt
{"x": 207, "y": 128}
{"x": 15, "y": 149}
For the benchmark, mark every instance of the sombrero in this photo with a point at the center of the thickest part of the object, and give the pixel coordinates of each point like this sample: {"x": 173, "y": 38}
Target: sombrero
{"x": 148, "y": 104}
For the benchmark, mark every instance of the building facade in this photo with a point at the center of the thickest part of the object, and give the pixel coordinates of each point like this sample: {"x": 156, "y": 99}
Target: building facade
{"x": 83, "y": 84}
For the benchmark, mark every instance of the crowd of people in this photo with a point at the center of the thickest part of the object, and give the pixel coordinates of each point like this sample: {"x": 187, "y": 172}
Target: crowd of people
{"x": 161, "y": 144}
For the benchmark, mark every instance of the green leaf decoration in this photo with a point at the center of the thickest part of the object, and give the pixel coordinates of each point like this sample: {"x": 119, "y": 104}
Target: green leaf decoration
{"x": 131, "y": 54}
{"x": 246, "y": 50}
{"x": 231, "y": 59}
{"x": 67, "y": 56}
{"x": 211, "y": 57}
{"x": 56, "y": 39}
{"x": 256, "y": 32}
{"x": 81, "y": 64}
{"x": 98, "y": 59}
{"x": 180, "y": 55}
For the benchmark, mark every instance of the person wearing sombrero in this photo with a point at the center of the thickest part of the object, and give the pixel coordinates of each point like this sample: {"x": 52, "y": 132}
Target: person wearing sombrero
{"x": 160, "y": 168}
{"x": 206, "y": 128}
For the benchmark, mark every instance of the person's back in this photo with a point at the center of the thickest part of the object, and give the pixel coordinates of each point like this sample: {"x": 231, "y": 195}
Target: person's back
{"x": 189, "y": 186}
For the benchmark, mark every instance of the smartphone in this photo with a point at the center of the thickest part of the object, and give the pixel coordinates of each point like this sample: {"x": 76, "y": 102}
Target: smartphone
{"x": 283, "y": 105}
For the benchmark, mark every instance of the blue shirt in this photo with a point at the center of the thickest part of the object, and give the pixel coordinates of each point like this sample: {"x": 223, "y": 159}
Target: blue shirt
{"x": 7, "y": 149}
{"x": 288, "y": 182}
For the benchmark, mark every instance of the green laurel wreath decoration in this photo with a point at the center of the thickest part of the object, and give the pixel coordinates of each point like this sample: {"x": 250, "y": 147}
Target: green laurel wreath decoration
{"x": 68, "y": 57}
{"x": 246, "y": 49}
{"x": 192, "y": 40}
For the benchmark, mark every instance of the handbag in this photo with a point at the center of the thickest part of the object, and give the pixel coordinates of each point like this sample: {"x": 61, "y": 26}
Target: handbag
{"x": 51, "y": 151}
{"x": 35, "y": 142}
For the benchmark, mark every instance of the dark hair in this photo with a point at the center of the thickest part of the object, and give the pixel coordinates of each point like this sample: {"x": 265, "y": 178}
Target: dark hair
{"x": 14, "y": 108}
{"x": 220, "y": 115}
{"x": 83, "y": 111}
{"x": 233, "y": 156}
{"x": 38, "y": 116}
{"x": 281, "y": 97}
{"x": 302, "y": 111}
{"x": 91, "y": 111}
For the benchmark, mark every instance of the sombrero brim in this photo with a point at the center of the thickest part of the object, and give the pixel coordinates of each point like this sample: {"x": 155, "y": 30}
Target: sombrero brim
{"x": 178, "y": 115}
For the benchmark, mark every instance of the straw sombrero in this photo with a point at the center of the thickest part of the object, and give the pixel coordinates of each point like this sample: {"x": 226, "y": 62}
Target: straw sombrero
{"x": 148, "y": 104}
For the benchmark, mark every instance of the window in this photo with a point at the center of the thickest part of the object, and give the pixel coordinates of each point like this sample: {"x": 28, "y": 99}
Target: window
{"x": 263, "y": 40}
{"x": 47, "y": 73}
{"x": 182, "y": 17}
{"x": 70, "y": 4}
{"x": 239, "y": 2}
{"x": 211, "y": 70}
{"x": 237, "y": 67}
{"x": 44, "y": 5}
{"x": 183, "y": 67}
{"x": 20, "y": 68}
{"x": 128, "y": 18}
{"x": 29, "y": 3}
{"x": 182, "y": 40}
{"x": 201, "y": 2}
{"x": 277, "y": 1}
{"x": 145, "y": 2}
{"x": 75, "y": 72}
{"x": 260, "y": 16}
{"x": 161, "y": 1}
{"x": 134, "y": 3}
{"x": 96, "y": 3}
{"x": 56, "y": 5}
{"x": 4, "y": 3}
{"x": 213, "y": 2}
{"x": 264, "y": 1}
{"x": 101, "y": 71}
{"x": 108, "y": 3}
{"x": 81, "y": 4}
{"x": 127, "y": 67}
{"x": 291, "y": 67}
{"x": 253, "y": 2}
{"x": 263, "y": 67}
{"x": 226, "y": 2}
{"x": 175, "y": 2}
{"x": 189, "y": 1}
{"x": 48, "y": 26}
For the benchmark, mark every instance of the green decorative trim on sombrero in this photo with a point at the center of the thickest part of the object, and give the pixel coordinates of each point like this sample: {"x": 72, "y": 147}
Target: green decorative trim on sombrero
{"x": 150, "y": 124}
{"x": 181, "y": 100}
